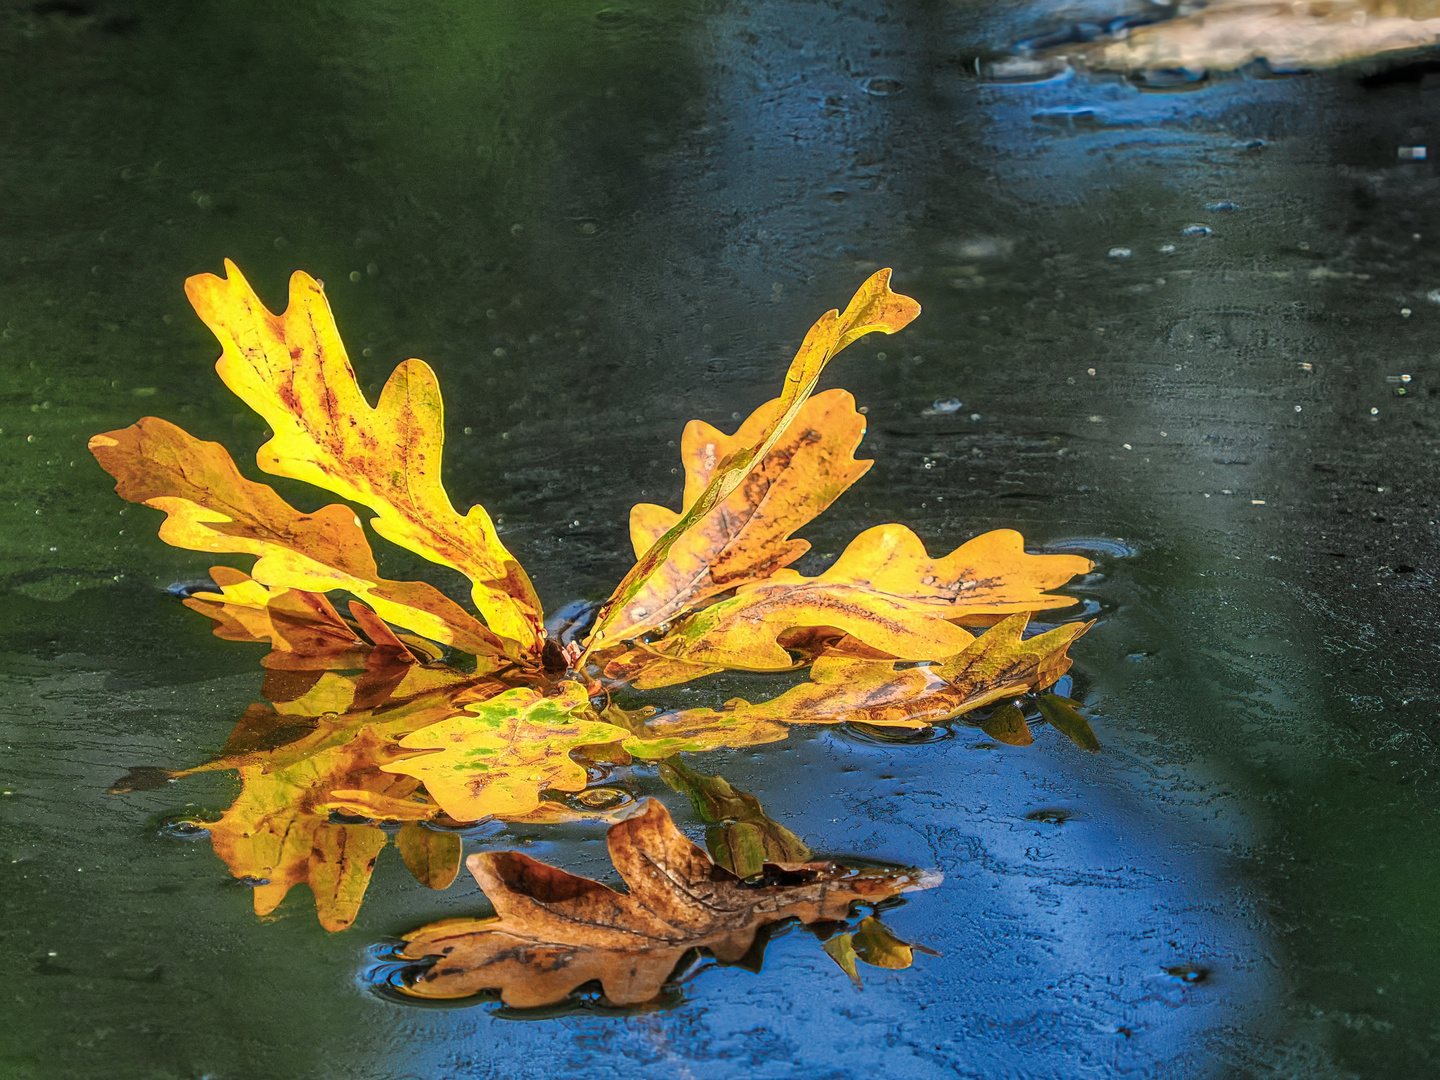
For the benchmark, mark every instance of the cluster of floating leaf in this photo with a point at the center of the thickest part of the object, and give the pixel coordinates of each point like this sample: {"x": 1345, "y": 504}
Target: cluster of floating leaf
{"x": 374, "y": 724}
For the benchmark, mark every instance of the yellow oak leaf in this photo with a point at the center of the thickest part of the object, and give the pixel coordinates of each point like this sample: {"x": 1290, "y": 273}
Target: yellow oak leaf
{"x": 500, "y": 754}
{"x": 292, "y": 369}
{"x": 885, "y": 594}
{"x": 874, "y": 308}
{"x": 211, "y": 507}
{"x": 747, "y": 536}
{"x": 998, "y": 664}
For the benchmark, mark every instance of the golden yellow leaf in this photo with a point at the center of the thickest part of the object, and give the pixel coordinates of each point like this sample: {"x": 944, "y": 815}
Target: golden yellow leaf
{"x": 747, "y": 536}
{"x": 871, "y": 943}
{"x": 553, "y": 932}
{"x": 292, "y": 369}
{"x": 874, "y": 308}
{"x": 996, "y": 665}
{"x": 211, "y": 507}
{"x": 499, "y": 755}
{"x": 884, "y": 594}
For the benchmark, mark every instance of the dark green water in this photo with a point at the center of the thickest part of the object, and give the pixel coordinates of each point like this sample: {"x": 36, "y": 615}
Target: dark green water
{"x": 599, "y": 222}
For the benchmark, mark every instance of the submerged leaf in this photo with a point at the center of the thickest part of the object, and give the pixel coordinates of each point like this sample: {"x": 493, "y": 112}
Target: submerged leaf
{"x": 293, "y": 371}
{"x": 871, "y": 943}
{"x": 873, "y": 308}
{"x": 553, "y": 932}
{"x": 433, "y": 857}
{"x": 1061, "y": 714}
{"x": 740, "y": 836}
{"x": 999, "y": 663}
{"x": 1007, "y": 725}
{"x": 498, "y": 756}
{"x": 211, "y": 507}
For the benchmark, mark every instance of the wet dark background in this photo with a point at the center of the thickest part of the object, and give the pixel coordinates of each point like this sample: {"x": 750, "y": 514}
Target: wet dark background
{"x": 599, "y": 222}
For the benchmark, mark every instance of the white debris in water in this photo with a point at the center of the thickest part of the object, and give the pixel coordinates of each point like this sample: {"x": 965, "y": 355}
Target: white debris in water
{"x": 1374, "y": 412}
{"x": 1405, "y": 313}
{"x": 1433, "y": 296}
{"x": 1120, "y": 253}
{"x": 1169, "y": 249}
{"x": 1411, "y": 153}
{"x": 949, "y": 405}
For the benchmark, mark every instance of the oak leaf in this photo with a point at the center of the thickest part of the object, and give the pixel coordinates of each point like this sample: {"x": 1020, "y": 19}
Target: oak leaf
{"x": 211, "y": 507}
{"x": 292, "y": 369}
{"x": 874, "y": 308}
{"x": 553, "y": 932}
{"x": 1000, "y": 663}
{"x": 747, "y": 536}
{"x": 884, "y": 592}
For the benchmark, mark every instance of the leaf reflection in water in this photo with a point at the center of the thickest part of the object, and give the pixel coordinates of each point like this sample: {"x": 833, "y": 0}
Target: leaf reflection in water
{"x": 553, "y": 932}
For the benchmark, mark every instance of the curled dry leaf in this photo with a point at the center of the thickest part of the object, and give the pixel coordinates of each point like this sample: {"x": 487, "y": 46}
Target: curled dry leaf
{"x": 553, "y": 932}
{"x": 293, "y": 371}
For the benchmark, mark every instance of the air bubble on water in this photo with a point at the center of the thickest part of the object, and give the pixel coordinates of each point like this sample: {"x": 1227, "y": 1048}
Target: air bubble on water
{"x": 184, "y": 827}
